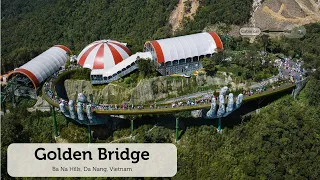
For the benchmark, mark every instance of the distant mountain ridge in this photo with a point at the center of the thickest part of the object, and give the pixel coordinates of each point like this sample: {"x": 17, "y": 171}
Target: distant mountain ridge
{"x": 265, "y": 14}
{"x": 278, "y": 14}
{"x": 29, "y": 27}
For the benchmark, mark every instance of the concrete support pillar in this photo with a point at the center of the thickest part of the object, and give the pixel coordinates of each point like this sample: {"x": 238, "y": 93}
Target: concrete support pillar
{"x": 177, "y": 129}
{"x": 131, "y": 130}
{"x": 55, "y": 131}
{"x": 219, "y": 124}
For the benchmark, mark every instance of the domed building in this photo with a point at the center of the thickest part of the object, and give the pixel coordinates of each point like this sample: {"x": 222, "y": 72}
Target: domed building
{"x": 110, "y": 60}
{"x": 101, "y": 57}
{"x": 103, "y": 54}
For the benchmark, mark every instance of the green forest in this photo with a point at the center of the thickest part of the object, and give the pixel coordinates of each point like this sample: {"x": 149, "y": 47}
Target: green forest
{"x": 281, "y": 142}
{"x": 261, "y": 66}
{"x": 218, "y": 11}
{"x": 31, "y": 27}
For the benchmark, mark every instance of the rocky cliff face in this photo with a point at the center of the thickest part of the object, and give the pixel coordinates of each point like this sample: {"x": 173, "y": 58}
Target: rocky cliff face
{"x": 109, "y": 94}
{"x": 281, "y": 14}
{"x": 149, "y": 90}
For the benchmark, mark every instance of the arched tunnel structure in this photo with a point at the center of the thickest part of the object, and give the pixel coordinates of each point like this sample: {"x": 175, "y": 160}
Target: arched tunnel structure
{"x": 44, "y": 65}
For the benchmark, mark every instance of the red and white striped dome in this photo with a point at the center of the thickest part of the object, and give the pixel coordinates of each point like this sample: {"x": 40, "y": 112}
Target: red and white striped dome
{"x": 103, "y": 54}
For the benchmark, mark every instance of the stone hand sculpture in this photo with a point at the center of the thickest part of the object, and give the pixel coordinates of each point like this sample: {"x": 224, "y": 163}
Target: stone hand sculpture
{"x": 222, "y": 107}
{"x": 211, "y": 114}
{"x": 89, "y": 112}
{"x": 72, "y": 110}
{"x": 222, "y": 110}
{"x": 80, "y": 111}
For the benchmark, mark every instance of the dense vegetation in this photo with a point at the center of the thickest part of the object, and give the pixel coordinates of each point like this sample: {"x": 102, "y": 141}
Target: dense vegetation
{"x": 218, "y": 11}
{"x": 31, "y": 27}
{"x": 282, "y": 142}
{"x": 307, "y": 47}
{"x": 239, "y": 52}
{"x": 261, "y": 67}
{"x": 21, "y": 126}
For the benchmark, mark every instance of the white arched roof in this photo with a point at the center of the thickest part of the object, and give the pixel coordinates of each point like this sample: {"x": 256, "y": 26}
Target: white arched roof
{"x": 44, "y": 65}
{"x": 188, "y": 46}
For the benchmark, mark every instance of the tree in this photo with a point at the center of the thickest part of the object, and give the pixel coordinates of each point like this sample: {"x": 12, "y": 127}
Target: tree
{"x": 62, "y": 22}
{"x": 146, "y": 68}
{"x": 67, "y": 64}
{"x": 209, "y": 66}
{"x": 312, "y": 91}
{"x": 310, "y": 60}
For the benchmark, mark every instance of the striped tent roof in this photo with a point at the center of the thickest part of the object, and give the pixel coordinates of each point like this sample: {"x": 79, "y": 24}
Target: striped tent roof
{"x": 103, "y": 54}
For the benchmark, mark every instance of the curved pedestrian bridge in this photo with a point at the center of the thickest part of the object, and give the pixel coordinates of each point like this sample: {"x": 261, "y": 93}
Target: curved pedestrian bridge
{"x": 163, "y": 109}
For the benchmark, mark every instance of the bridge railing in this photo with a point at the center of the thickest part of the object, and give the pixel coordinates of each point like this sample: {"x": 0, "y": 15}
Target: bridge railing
{"x": 161, "y": 107}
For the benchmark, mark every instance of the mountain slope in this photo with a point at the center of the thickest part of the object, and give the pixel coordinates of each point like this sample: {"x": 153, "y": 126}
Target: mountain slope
{"x": 184, "y": 9}
{"x": 278, "y": 14}
{"x": 34, "y": 26}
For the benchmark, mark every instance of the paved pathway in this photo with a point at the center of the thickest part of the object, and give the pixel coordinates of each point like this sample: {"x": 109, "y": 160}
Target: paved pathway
{"x": 186, "y": 97}
{"x": 167, "y": 108}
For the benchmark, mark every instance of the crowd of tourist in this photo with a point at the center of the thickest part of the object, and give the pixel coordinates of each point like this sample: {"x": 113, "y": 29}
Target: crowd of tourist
{"x": 291, "y": 69}
{"x": 206, "y": 99}
{"x": 287, "y": 67}
{"x": 48, "y": 86}
{"x": 254, "y": 91}
{"x": 126, "y": 106}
